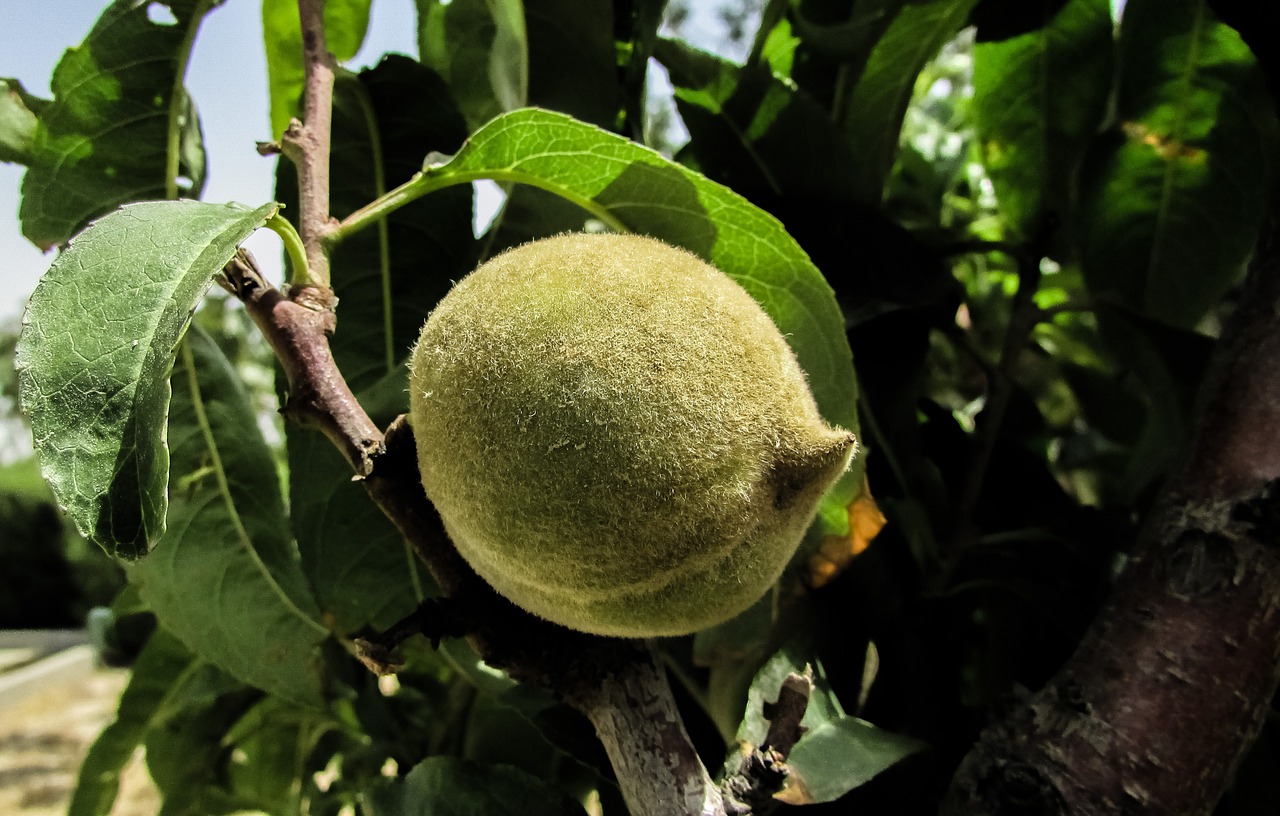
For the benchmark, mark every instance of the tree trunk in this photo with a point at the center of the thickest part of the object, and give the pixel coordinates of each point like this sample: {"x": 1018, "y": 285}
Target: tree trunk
{"x": 1162, "y": 699}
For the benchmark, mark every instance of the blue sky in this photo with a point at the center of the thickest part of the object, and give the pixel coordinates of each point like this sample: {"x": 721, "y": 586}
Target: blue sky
{"x": 227, "y": 77}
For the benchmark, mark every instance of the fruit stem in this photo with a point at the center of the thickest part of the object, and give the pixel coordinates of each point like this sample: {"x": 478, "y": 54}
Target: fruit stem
{"x": 300, "y": 273}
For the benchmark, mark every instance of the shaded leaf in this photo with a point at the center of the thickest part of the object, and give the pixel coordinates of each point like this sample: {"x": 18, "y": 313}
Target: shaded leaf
{"x": 346, "y": 22}
{"x": 159, "y": 675}
{"x": 836, "y": 757}
{"x": 387, "y": 280}
{"x": 120, "y": 127}
{"x": 838, "y": 752}
{"x": 94, "y": 356}
{"x": 269, "y": 745}
{"x": 1168, "y": 365}
{"x": 1038, "y": 101}
{"x": 445, "y": 785}
{"x": 754, "y": 132}
{"x": 225, "y": 578}
{"x": 872, "y": 111}
{"x": 481, "y": 50}
{"x": 187, "y": 755}
{"x": 18, "y": 117}
{"x": 1005, "y": 19}
{"x": 573, "y": 64}
{"x": 1174, "y": 196}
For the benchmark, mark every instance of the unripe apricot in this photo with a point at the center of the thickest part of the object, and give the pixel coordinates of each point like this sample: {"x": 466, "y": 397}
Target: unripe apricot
{"x": 616, "y": 435}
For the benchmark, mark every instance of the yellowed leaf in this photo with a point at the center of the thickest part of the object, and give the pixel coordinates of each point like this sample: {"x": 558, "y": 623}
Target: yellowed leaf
{"x": 835, "y": 552}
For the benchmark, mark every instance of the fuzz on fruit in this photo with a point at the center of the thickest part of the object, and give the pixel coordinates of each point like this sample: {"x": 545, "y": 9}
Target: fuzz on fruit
{"x": 616, "y": 436}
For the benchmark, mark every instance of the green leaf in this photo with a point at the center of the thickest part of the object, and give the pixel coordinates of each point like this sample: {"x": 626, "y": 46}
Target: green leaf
{"x": 573, "y": 62}
{"x": 872, "y": 111}
{"x": 481, "y": 49}
{"x": 754, "y": 132}
{"x": 838, "y": 756}
{"x": 838, "y": 752}
{"x": 1038, "y": 101}
{"x": 269, "y": 766}
{"x": 346, "y": 22}
{"x": 1166, "y": 365}
{"x": 187, "y": 754}
{"x": 19, "y": 112}
{"x": 228, "y": 557}
{"x": 387, "y": 280}
{"x": 120, "y": 128}
{"x": 456, "y": 787}
{"x": 94, "y": 356}
{"x": 159, "y": 675}
{"x": 1174, "y": 197}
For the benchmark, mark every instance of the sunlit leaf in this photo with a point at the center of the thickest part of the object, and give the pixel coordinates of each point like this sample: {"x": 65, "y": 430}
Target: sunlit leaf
{"x": 18, "y": 117}
{"x": 1182, "y": 182}
{"x": 836, "y": 757}
{"x": 94, "y": 356}
{"x": 228, "y": 556}
{"x": 120, "y": 128}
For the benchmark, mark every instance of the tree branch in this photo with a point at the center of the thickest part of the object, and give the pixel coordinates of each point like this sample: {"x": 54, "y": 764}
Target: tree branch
{"x": 1164, "y": 695}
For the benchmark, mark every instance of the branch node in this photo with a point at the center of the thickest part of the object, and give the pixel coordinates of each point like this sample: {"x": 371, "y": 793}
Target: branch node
{"x": 435, "y": 618}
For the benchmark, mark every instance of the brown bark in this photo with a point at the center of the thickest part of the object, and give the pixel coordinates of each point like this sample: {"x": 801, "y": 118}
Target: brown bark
{"x": 1160, "y": 702}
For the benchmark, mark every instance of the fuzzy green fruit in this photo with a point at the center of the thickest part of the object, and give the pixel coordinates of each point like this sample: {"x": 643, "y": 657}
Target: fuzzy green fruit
{"x": 616, "y": 435}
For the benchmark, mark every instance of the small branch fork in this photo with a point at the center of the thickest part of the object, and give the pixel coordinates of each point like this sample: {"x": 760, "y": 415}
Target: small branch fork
{"x": 619, "y": 684}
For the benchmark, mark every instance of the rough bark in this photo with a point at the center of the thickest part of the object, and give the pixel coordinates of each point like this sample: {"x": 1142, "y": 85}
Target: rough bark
{"x": 1160, "y": 702}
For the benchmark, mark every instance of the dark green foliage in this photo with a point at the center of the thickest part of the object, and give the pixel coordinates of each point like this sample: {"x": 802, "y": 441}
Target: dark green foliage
{"x": 1029, "y": 234}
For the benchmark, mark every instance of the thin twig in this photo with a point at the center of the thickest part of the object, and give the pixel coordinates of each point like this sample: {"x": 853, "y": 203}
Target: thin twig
{"x": 307, "y": 143}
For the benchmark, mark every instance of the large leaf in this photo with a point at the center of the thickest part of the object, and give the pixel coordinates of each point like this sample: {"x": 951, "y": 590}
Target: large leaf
{"x": 1038, "y": 100}
{"x": 1173, "y": 198}
{"x": 387, "y": 281}
{"x": 481, "y": 49}
{"x": 446, "y": 785}
{"x": 633, "y": 188}
{"x": 346, "y": 22}
{"x": 500, "y": 55}
{"x": 121, "y": 128}
{"x": 18, "y": 117}
{"x": 225, "y": 578}
{"x": 94, "y": 356}
{"x": 873, "y": 110}
{"x": 573, "y": 60}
